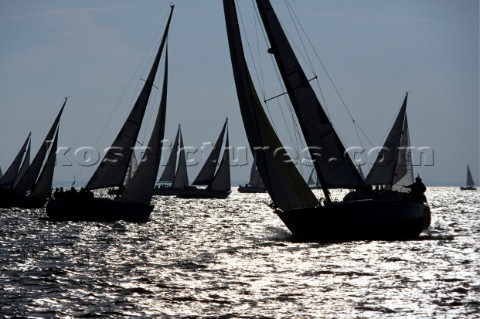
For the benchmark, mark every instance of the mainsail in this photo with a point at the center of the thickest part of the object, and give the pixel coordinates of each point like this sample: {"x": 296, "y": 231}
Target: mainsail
{"x": 114, "y": 165}
{"x": 8, "y": 179}
{"x": 282, "y": 180}
{"x": 332, "y": 163}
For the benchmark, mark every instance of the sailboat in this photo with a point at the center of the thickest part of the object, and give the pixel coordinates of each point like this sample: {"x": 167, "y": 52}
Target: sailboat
{"x": 33, "y": 183}
{"x": 255, "y": 184}
{"x": 296, "y": 205}
{"x": 14, "y": 171}
{"x": 470, "y": 183}
{"x": 132, "y": 202}
{"x": 217, "y": 180}
{"x": 312, "y": 182}
{"x": 178, "y": 178}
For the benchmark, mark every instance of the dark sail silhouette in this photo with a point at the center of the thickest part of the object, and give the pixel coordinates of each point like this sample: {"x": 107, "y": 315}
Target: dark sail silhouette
{"x": 33, "y": 183}
{"x": 255, "y": 183}
{"x": 175, "y": 175}
{"x": 216, "y": 177}
{"x": 470, "y": 186}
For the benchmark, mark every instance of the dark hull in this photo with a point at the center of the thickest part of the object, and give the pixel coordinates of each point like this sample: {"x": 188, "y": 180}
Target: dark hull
{"x": 202, "y": 193}
{"x": 29, "y": 202}
{"x": 468, "y": 188}
{"x": 167, "y": 191}
{"x": 249, "y": 189}
{"x": 360, "y": 220}
{"x": 6, "y": 198}
{"x": 9, "y": 199}
{"x": 97, "y": 209}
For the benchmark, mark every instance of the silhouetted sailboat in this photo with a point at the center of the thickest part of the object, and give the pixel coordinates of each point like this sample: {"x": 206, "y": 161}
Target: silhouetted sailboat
{"x": 313, "y": 183}
{"x": 178, "y": 178}
{"x": 33, "y": 182}
{"x": 217, "y": 181}
{"x": 133, "y": 201}
{"x": 470, "y": 183}
{"x": 13, "y": 172}
{"x": 295, "y": 203}
{"x": 255, "y": 183}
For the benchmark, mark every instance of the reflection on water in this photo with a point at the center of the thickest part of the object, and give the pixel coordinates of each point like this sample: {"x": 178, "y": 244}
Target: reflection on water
{"x": 234, "y": 258}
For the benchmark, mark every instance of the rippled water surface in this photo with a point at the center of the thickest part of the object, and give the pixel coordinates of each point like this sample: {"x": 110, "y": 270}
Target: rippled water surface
{"x": 234, "y": 258}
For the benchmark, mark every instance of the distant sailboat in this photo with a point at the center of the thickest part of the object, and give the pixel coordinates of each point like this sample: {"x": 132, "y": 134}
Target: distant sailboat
{"x": 255, "y": 184}
{"x": 13, "y": 172}
{"x": 33, "y": 183}
{"x": 313, "y": 183}
{"x": 217, "y": 181}
{"x": 295, "y": 203}
{"x": 470, "y": 183}
{"x": 133, "y": 202}
{"x": 178, "y": 178}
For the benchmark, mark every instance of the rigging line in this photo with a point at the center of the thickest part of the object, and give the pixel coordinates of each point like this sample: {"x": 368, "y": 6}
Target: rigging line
{"x": 125, "y": 90}
{"x": 320, "y": 60}
{"x": 296, "y": 23}
{"x": 248, "y": 45}
{"x": 286, "y": 92}
{"x": 132, "y": 78}
{"x": 296, "y": 138}
{"x": 355, "y": 124}
{"x": 150, "y": 108}
{"x": 257, "y": 23}
{"x": 262, "y": 83}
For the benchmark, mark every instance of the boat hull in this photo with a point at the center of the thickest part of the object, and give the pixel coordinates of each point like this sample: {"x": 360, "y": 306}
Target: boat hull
{"x": 202, "y": 193}
{"x": 29, "y": 202}
{"x": 359, "y": 220}
{"x": 97, "y": 209}
{"x": 248, "y": 189}
{"x": 167, "y": 191}
{"x": 9, "y": 199}
{"x": 6, "y": 198}
{"x": 468, "y": 188}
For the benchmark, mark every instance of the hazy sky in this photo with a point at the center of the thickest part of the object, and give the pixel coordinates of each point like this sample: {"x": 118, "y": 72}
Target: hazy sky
{"x": 97, "y": 52}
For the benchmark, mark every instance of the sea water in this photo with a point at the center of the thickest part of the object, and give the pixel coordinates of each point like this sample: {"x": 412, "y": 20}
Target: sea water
{"x": 235, "y": 258}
